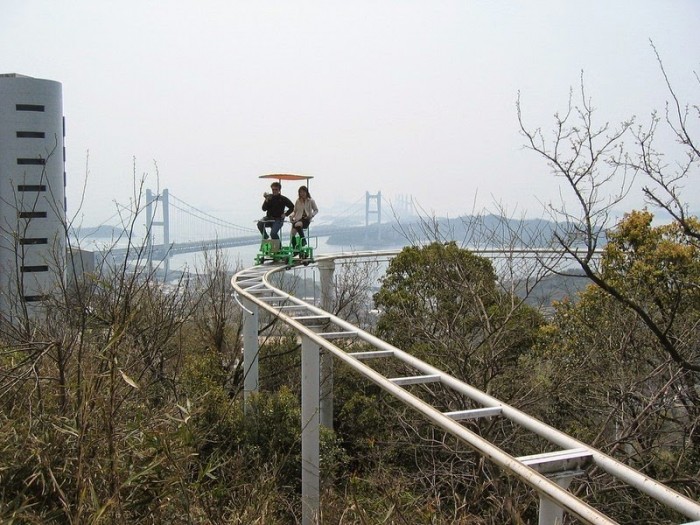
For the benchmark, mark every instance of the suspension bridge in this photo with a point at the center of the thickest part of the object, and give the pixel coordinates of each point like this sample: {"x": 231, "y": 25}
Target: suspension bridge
{"x": 175, "y": 227}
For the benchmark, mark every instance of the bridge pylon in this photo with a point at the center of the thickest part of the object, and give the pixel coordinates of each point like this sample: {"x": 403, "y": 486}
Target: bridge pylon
{"x": 373, "y": 206}
{"x": 152, "y": 223}
{"x": 370, "y": 200}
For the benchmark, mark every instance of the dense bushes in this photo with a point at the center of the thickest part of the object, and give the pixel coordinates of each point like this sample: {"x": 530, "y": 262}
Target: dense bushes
{"x": 129, "y": 409}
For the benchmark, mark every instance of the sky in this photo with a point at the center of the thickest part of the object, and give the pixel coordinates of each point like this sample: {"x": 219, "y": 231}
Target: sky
{"x": 410, "y": 98}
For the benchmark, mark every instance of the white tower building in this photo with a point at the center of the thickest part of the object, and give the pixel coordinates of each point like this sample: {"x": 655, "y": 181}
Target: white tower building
{"x": 32, "y": 191}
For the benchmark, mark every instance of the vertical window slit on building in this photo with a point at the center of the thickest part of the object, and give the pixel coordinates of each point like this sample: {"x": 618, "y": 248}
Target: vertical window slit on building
{"x": 31, "y": 135}
{"x": 33, "y": 240}
{"x": 31, "y": 162}
{"x": 31, "y": 187}
{"x": 29, "y": 107}
{"x": 35, "y": 268}
{"x": 32, "y": 215}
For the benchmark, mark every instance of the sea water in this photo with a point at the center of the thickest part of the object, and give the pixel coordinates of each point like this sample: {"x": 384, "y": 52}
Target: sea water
{"x": 244, "y": 256}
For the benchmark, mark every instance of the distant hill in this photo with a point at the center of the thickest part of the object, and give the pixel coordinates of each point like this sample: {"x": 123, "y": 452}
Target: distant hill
{"x": 482, "y": 231}
{"x": 102, "y": 232}
{"x": 554, "y": 288}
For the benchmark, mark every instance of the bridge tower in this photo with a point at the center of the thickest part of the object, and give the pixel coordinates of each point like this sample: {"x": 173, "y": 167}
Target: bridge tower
{"x": 164, "y": 222}
{"x": 373, "y": 206}
{"x": 375, "y": 199}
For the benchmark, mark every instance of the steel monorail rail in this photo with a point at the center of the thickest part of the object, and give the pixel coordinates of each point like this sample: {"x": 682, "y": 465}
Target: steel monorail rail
{"x": 255, "y": 286}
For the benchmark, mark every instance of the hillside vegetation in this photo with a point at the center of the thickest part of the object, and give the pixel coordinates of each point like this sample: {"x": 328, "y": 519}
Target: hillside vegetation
{"x": 122, "y": 403}
{"x": 125, "y": 406}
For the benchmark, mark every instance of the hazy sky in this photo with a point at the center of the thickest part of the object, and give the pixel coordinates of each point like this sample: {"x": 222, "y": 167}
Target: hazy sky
{"x": 406, "y": 97}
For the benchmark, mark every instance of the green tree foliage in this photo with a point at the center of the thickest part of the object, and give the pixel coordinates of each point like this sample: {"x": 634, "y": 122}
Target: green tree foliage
{"x": 604, "y": 377}
{"x": 656, "y": 270}
{"x": 444, "y": 305}
{"x": 601, "y": 167}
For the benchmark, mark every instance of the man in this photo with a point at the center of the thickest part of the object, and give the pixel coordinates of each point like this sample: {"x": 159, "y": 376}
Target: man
{"x": 276, "y": 207}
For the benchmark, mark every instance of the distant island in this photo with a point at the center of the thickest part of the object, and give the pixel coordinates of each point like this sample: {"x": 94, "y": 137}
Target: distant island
{"x": 103, "y": 232}
{"x": 487, "y": 230}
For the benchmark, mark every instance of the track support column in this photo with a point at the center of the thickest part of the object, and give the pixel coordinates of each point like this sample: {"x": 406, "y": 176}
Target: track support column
{"x": 310, "y": 421}
{"x": 326, "y": 270}
{"x": 550, "y": 512}
{"x": 250, "y": 351}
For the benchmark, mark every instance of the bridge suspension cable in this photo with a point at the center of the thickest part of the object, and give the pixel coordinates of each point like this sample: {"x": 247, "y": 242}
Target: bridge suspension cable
{"x": 174, "y": 226}
{"x": 354, "y": 210}
{"x": 187, "y": 208}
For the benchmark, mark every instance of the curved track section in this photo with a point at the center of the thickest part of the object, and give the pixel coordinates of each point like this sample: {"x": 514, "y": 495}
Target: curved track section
{"x": 538, "y": 471}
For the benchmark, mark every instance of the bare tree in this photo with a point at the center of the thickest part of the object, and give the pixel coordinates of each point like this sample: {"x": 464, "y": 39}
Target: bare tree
{"x": 599, "y": 171}
{"x": 628, "y": 350}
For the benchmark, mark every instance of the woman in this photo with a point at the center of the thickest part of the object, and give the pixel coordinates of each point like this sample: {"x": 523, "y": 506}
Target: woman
{"x": 304, "y": 210}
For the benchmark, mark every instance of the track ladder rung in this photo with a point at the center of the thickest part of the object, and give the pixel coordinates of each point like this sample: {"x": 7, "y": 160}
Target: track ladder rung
{"x": 558, "y": 461}
{"x": 312, "y": 320}
{"x": 337, "y": 335}
{"x": 258, "y": 288}
{"x": 251, "y": 278}
{"x": 475, "y": 413}
{"x": 273, "y": 299}
{"x": 372, "y": 355}
{"x": 252, "y": 275}
{"x": 292, "y": 306}
{"x": 415, "y": 380}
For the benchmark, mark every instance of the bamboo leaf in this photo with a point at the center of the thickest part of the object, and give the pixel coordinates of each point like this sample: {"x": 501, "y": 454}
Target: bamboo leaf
{"x": 128, "y": 380}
